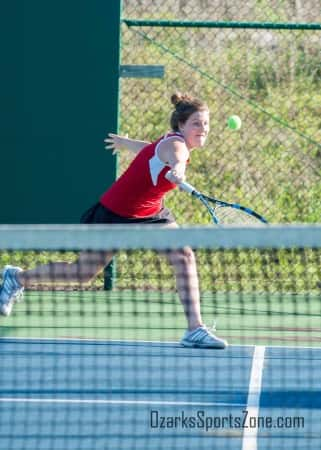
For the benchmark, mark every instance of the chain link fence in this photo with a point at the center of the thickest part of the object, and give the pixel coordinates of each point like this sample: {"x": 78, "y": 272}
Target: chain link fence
{"x": 265, "y": 66}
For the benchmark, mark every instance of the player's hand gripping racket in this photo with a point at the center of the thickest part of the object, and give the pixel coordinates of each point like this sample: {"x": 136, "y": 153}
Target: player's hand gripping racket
{"x": 224, "y": 212}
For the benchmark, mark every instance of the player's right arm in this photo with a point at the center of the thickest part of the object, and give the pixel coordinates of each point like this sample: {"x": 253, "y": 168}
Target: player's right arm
{"x": 116, "y": 142}
{"x": 175, "y": 154}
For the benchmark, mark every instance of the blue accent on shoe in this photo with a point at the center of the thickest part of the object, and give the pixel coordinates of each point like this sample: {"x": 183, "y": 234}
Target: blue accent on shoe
{"x": 11, "y": 290}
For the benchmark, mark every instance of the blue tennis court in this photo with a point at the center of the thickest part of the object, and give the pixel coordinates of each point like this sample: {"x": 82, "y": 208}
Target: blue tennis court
{"x": 89, "y": 394}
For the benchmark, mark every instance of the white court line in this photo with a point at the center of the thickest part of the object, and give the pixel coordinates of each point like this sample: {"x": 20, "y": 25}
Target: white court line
{"x": 249, "y": 441}
{"x": 114, "y": 402}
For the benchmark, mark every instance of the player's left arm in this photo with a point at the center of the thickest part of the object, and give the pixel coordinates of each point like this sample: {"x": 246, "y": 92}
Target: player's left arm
{"x": 116, "y": 142}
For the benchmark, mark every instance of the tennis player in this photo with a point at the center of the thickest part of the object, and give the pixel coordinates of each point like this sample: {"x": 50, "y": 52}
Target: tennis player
{"x": 137, "y": 198}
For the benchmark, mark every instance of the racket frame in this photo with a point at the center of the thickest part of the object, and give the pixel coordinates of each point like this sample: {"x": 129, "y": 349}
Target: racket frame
{"x": 205, "y": 199}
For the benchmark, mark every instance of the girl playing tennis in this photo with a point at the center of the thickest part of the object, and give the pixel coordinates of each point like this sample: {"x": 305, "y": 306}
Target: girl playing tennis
{"x": 137, "y": 197}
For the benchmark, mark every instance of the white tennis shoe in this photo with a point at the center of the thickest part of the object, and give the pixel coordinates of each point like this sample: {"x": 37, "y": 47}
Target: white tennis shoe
{"x": 201, "y": 337}
{"x": 11, "y": 290}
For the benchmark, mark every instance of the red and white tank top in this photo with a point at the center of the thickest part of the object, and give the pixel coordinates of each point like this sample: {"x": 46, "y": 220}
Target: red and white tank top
{"x": 140, "y": 190}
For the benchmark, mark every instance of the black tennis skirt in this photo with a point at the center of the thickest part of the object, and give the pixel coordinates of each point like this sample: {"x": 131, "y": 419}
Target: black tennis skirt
{"x": 99, "y": 214}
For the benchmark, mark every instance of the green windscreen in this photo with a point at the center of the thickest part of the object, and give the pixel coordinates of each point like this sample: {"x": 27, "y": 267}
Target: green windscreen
{"x": 59, "y": 96}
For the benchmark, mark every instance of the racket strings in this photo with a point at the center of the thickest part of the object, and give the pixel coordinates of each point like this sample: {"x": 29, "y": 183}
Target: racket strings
{"x": 232, "y": 216}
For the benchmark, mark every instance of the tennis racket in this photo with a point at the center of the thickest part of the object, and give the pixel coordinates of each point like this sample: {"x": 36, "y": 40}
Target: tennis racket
{"x": 224, "y": 212}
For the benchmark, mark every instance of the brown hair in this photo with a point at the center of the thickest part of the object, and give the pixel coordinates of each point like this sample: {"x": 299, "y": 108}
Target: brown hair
{"x": 185, "y": 106}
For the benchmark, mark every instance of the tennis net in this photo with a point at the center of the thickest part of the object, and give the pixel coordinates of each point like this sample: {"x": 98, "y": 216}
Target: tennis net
{"x": 88, "y": 368}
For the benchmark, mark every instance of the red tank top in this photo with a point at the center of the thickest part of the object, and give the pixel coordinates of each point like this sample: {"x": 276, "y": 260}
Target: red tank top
{"x": 140, "y": 190}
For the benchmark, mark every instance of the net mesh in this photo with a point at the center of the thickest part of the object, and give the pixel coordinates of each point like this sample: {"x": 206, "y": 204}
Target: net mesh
{"x": 82, "y": 367}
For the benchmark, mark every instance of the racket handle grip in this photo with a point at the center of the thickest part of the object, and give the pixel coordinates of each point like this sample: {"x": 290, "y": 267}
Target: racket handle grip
{"x": 183, "y": 185}
{"x": 187, "y": 187}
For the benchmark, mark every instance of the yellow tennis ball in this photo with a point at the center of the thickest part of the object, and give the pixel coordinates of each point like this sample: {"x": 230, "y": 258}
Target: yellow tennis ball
{"x": 234, "y": 122}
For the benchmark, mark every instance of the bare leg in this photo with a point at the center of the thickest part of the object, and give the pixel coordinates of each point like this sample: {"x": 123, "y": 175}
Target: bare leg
{"x": 187, "y": 284}
{"x": 87, "y": 266}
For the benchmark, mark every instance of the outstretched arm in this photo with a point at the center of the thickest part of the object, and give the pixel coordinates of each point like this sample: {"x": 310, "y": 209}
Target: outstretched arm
{"x": 116, "y": 142}
{"x": 175, "y": 154}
